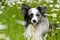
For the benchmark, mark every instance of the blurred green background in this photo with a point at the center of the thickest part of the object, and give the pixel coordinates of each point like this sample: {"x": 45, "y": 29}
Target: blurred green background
{"x": 10, "y": 12}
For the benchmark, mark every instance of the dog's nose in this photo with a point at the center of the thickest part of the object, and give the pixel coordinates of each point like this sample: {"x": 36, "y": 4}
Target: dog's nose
{"x": 34, "y": 21}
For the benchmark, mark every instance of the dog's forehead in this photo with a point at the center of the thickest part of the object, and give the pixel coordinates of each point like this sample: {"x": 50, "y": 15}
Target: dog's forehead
{"x": 33, "y": 10}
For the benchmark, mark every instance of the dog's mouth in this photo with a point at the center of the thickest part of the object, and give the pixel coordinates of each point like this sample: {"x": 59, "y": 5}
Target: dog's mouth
{"x": 34, "y": 24}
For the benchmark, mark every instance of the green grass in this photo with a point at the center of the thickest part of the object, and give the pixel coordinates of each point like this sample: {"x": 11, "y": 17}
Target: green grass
{"x": 15, "y": 31}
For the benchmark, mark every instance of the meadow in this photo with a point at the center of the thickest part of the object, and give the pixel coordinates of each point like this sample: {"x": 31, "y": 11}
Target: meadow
{"x": 10, "y": 13}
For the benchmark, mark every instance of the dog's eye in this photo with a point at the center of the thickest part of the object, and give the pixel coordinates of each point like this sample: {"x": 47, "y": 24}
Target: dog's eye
{"x": 37, "y": 14}
{"x": 31, "y": 14}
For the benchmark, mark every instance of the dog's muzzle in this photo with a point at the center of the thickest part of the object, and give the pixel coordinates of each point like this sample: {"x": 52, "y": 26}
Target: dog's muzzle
{"x": 34, "y": 21}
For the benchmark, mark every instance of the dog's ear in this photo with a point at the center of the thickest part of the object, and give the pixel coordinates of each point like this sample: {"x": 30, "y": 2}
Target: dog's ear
{"x": 25, "y": 8}
{"x": 41, "y": 8}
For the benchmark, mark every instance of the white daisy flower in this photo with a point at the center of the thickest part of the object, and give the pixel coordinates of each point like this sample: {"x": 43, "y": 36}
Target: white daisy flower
{"x": 57, "y": 5}
{"x": 51, "y": 5}
{"x": 53, "y": 34}
{"x": 1, "y": 12}
{"x": 54, "y": 15}
{"x": 19, "y": 2}
{"x": 23, "y": 0}
{"x": 0, "y": 3}
{"x": 48, "y": 1}
{"x": 20, "y": 22}
{"x": 7, "y": 38}
{"x": 54, "y": 9}
{"x": 47, "y": 14}
{"x": 58, "y": 1}
{"x": 29, "y": 1}
{"x": 44, "y": 4}
{"x": 18, "y": 7}
{"x": 57, "y": 9}
{"x": 35, "y": 1}
{"x": 2, "y": 26}
{"x": 13, "y": 3}
{"x": 58, "y": 28}
{"x": 51, "y": 1}
{"x": 53, "y": 19}
{"x": 2, "y": 7}
{"x": 2, "y": 36}
{"x": 57, "y": 22}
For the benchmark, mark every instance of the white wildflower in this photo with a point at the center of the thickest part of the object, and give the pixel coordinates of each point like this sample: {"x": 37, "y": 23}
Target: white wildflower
{"x": 54, "y": 19}
{"x": 57, "y": 9}
{"x": 10, "y": 4}
{"x": 57, "y": 5}
{"x": 47, "y": 14}
{"x": 53, "y": 34}
{"x": 54, "y": 9}
{"x": 58, "y": 28}
{"x": 35, "y": 1}
{"x": 19, "y": 2}
{"x": 48, "y": 1}
{"x": 2, "y": 7}
{"x": 57, "y": 22}
{"x": 2, "y": 26}
{"x": 20, "y": 22}
{"x": 44, "y": 4}
{"x": 23, "y": 0}
{"x": 0, "y": 3}
{"x": 1, "y": 12}
{"x": 2, "y": 36}
{"x": 29, "y": 1}
{"x": 51, "y": 5}
{"x": 54, "y": 15}
{"x": 13, "y": 3}
{"x": 39, "y": 1}
{"x": 51, "y": 1}
{"x": 7, "y": 38}
{"x": 19, "y": 7}
{"x": 58, "y": 1}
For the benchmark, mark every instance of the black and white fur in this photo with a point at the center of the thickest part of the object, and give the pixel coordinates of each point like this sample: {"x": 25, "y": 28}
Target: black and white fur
{"x": 36, "y": 23}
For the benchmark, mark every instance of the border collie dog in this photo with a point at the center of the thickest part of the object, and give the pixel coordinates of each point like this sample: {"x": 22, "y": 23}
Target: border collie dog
{"x": 36, "y": 23}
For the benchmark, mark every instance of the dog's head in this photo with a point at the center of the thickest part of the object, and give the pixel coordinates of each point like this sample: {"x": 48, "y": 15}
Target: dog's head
{"x": 33, "y": 15}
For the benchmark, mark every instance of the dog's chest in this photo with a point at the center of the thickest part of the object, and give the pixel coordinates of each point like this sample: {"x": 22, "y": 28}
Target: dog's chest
{"x": 39, "y": 30}
{"x": 34, "y": 31}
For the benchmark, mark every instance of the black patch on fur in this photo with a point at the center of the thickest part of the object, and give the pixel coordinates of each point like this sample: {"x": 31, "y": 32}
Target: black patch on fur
{"x": 42, "y": 9}
{"x": 25, "y": 10}
{"x": 30, "y": 17}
